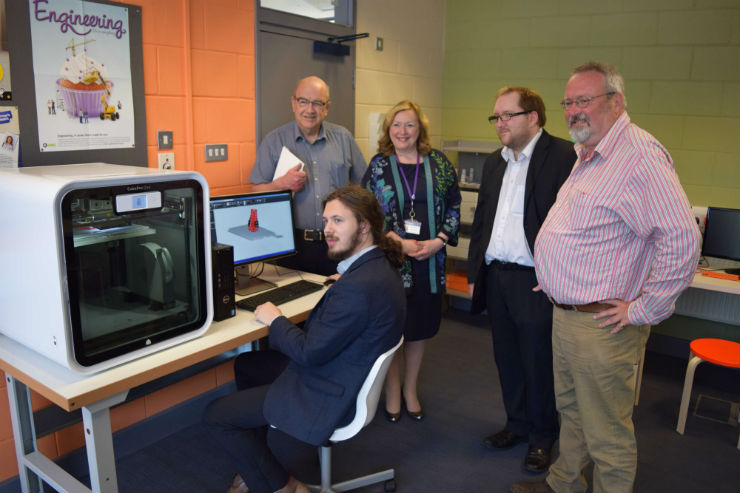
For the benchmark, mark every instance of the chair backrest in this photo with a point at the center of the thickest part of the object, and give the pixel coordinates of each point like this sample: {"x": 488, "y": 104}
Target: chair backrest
{"x": 368, "y": 397}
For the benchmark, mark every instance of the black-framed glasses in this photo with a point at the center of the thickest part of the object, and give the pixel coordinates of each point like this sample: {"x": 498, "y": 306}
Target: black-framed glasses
{"x": 505, "y": 117}
{"x": 316, "y": 103}
{"x": 582, "y": 101}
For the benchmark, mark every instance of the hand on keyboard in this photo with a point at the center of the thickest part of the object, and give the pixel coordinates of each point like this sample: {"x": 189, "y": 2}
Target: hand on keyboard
{"x": 266, "y": 313}
{"x": 332, "y": 279}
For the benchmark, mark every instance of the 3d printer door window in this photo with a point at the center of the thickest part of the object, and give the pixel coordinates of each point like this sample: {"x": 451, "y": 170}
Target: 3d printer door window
{"x": 133, "y": 267}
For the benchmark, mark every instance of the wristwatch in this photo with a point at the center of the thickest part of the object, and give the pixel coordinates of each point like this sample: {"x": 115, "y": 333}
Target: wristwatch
{"x": 444, "y": 242}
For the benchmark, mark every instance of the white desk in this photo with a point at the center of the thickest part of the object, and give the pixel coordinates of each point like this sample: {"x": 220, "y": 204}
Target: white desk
{"x": 711, "y": 298}
{"x": 715, "y": 284}
{"x": 96, "y": 394}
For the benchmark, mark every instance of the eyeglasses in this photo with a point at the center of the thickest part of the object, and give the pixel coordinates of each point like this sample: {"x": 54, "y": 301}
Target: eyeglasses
{"x": 505, "y": 117}
{"x": 582, "y": 101}
{"x": 316, "y": 103}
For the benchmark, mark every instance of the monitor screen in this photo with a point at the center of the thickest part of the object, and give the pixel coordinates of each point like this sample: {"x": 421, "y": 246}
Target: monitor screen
{"x": 258, "y": 225}
{"x": 722, "y": 234}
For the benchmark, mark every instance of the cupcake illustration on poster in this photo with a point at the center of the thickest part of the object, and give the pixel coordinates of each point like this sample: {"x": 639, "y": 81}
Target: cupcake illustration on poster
{"x": 84, "y": 86}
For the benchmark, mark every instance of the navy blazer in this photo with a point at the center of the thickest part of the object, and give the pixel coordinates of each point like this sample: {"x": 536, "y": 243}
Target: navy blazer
{"x": 551, "y": 163}
{"x": 360, "y": 317}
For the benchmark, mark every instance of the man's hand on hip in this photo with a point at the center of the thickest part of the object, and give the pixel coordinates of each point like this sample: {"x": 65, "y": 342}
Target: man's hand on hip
{"x": 617, "y": 315}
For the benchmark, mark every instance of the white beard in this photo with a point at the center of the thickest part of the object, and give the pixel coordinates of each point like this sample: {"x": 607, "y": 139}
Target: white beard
{"x": 579, "y": 134}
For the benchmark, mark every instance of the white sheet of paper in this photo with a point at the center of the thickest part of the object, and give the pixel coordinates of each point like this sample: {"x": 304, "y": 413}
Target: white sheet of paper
{"x": 287, "y": 161}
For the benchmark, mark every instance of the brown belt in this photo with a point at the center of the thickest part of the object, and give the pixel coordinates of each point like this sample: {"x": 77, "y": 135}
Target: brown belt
{"x": 589, "y": 308}
{"x": 311, "y": 234}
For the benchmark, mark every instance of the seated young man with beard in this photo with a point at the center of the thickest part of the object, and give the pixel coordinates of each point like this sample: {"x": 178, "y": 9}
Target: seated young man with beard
{"x": 305, "y": 387}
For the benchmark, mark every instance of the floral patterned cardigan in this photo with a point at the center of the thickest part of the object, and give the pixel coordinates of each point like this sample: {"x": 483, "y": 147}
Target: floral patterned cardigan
{"x": 382, "y": 180}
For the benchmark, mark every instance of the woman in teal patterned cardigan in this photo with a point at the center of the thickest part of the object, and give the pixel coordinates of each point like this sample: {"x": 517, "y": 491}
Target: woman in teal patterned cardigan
{"x": 417, "y": 189}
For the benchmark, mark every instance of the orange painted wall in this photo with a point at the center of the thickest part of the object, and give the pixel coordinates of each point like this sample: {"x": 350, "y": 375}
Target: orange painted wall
{"x": 198, "y": 83}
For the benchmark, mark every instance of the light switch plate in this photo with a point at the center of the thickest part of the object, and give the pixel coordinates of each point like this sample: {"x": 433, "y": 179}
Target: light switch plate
{"x": 217, "y": 152}
{"x": 164, "y": 139}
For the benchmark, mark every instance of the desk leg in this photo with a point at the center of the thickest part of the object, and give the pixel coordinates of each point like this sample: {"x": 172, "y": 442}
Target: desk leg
{"x": 21, "y": 418}
{"x": 99, "y": 441}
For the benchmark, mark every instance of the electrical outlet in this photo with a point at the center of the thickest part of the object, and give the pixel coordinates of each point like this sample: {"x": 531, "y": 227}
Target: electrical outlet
{"x": 217, "y": 152}
{"x": 166, "y": 160}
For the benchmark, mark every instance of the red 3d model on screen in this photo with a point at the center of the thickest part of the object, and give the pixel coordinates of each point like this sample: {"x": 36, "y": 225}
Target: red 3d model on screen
{"x": 254, "y": 224}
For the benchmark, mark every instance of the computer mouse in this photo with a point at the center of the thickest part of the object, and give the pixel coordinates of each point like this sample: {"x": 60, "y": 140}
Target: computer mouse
{"x": 329, "y": 281}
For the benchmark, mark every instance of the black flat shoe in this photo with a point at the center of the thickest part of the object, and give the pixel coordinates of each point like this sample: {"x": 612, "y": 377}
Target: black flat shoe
{"x": 416, "y": 416}
{"x": 392, "y": 417}
{"x": 537, "y": 460}
{"x": 503, "y": 440}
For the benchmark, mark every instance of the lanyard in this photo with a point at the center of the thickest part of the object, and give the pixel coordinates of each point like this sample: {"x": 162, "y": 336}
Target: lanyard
{"x": 430, "y": 210}
{"x": 412, "y": 194}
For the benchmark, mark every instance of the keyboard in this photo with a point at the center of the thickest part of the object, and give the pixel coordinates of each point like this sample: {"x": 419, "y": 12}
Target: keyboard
{"x": 280, "y": 295}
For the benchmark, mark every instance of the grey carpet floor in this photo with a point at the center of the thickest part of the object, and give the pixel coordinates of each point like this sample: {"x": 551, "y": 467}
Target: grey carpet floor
{"x": 461, "y": 397}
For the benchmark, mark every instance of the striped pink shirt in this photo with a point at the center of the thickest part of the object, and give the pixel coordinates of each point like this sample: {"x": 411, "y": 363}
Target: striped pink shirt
{"x": 621, "y": 227}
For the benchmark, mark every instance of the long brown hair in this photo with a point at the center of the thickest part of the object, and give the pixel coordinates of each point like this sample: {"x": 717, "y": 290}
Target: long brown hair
{"x": 385, "y": 145}
{"x": 365, "y": 207}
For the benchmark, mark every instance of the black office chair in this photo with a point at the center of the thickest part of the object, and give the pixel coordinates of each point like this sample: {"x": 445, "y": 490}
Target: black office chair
{"x": 367, "y": 403}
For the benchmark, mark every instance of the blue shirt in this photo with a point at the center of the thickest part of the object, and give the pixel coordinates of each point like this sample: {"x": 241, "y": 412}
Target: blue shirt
{"x": 331, "y": 162}
{"x": 346, "y": 263}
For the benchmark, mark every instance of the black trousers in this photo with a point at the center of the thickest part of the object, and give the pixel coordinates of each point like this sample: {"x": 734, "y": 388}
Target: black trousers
{"x": 311, "y": 256}
{"x": 521, "y": 325}
{"x": 262, "y": 455}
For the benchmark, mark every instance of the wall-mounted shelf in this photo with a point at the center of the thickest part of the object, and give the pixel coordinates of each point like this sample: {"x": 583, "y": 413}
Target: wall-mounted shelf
{"x": 474, "y": 146}
{"x": 471, "y": 154}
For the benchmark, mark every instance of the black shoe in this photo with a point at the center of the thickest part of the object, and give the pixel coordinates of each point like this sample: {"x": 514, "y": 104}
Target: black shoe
{"x": 392, "y": 417}
{"x": 416, "y": 416}
{"x": 537, "y": 460}
{"x": 503, "y": 440}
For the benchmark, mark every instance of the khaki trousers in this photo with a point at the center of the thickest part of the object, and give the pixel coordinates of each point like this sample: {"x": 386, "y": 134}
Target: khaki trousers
{"x": 595, "y": 393}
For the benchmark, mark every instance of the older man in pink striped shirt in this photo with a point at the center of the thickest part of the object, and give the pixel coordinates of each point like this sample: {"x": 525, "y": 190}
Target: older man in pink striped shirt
{"x": 617, "y": 248}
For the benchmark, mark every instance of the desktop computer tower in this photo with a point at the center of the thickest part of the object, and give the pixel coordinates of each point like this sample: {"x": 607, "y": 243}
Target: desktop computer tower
{"x": 222, "y": 257}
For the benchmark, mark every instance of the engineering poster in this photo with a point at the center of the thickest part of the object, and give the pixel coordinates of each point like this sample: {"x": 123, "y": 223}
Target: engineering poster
{"x": 82, "y": 75}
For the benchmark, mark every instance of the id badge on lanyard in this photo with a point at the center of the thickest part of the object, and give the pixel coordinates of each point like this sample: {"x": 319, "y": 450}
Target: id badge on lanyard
{"x": 411, "y": 225}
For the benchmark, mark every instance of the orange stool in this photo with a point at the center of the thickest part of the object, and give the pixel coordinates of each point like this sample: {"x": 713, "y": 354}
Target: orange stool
{"x": 717, "y": 351}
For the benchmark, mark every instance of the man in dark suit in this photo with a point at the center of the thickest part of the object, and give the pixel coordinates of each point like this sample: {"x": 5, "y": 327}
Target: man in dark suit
{"x": 518, "y": 186}
{"x": 317, "y": 370}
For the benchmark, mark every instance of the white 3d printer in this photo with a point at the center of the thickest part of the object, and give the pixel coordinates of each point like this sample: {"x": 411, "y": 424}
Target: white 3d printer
{"x": 103, "y": 263}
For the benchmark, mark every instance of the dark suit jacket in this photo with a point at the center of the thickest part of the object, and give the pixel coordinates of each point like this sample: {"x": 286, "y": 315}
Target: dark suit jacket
{"x": 360, "y": 317}
{"x": 551, "y": 163}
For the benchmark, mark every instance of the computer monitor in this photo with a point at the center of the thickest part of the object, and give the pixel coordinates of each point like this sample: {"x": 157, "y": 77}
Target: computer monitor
{"x": 722, "y": 235}
{"x": 260, "y": 228}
